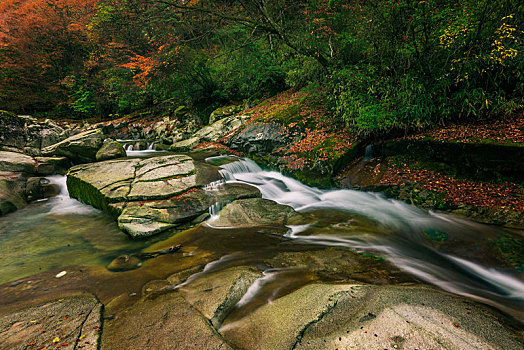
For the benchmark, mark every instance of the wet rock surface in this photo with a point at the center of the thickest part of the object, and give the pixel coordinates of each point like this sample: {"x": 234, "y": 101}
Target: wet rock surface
{"x": 20, "y": 180}
{"x": 164, "y": 322}
{"x": 323, "y": 316}
{"x": 151, "y": 195}
{"x": 254, "y": 212}
{"x": 12, "y": 190}
{"x": 69, "y": 323}
{"x": 217, "y": 294}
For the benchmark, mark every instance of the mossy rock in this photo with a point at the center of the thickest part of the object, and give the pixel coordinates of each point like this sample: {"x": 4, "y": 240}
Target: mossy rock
{"x": 111, "y": 150}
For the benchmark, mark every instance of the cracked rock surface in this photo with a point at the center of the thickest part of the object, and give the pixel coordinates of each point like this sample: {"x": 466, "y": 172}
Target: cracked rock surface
{"x": 151, "y": 195}
{"x": 71, "y": 323}
{"x": 324, "y": 316}
{"x": 165, "y": 322}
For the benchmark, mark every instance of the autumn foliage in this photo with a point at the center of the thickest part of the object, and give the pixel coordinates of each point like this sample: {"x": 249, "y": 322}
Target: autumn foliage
{"x": 41, "y": 42}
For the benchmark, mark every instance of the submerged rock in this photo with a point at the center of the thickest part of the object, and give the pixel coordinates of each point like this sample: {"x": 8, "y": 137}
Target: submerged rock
{"x": 149, "y": 196}
{"x": 124, "y": 262}
{"x": 81, "y": 148}
{"x": 111, "y": 150}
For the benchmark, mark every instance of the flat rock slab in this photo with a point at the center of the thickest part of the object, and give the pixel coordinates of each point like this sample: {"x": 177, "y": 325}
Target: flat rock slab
{"x": 322, "y": 316}
{"x": 69, "y": 323}
{"x": 151, "y": 195}
{"x": 165, "y": 322}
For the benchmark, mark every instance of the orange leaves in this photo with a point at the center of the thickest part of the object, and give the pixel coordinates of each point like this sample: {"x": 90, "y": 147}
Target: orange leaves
{"x": 503, "y": 131}
{"x": 39, "y": 38}
{"x": 144, "y": 66}
{"x": 457, "y": 191}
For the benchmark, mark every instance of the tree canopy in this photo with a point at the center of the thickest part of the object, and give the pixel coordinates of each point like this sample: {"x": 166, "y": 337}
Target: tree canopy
{"x": 379, "y": 64}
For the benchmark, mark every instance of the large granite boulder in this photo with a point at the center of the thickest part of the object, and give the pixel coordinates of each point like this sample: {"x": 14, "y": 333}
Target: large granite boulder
{"x": 211, "y": 133}
{"x": 12, "y": 190}
{"x": 151, "y": 195}
{"x": 254, "y": 212}
{"x": 17, "y": 162}
{"x": 111, "y": 150}
{"x": 52, "y": 165}
{"x": 80, "y": 148}
{"x": 185, "y": 145}
{"x": 221, "y": 128}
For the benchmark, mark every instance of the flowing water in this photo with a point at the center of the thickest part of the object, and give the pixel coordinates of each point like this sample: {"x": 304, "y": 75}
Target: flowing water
{"x": 454, "y": 254}
{"x": 57, "y": 232}
{"x": 402, "y": 235}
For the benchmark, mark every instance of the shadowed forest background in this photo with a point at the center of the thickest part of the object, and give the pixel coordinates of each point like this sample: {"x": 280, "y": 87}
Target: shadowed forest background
{"x": 377, "y": 65}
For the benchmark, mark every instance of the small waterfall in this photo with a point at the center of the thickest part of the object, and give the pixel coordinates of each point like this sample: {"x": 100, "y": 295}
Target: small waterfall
{"x": 62, "y": 204}
{"x": 215, "y": 185}
{"x": 129, "y": 148}
{"x": 215, "y": 209}
{"x": 368, "y": 152}
{"x": 150, "y": 146}
{"x": 229, "y": 170}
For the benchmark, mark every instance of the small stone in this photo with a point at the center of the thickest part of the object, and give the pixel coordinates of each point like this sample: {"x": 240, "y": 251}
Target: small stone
{"x": 61, "y": 274}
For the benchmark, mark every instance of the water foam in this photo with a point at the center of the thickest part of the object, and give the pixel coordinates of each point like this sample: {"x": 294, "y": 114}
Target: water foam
{"x": 405, "y": 248}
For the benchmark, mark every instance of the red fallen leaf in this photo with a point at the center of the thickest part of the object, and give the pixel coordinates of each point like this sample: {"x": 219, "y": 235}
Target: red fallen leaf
{"x": 456, "y": 324}
{"x": 64, "y": 344}
{"x": 32, "y": 343}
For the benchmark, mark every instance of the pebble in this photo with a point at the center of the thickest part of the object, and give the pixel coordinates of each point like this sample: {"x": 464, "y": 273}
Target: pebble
{"x": 61, "y": 274}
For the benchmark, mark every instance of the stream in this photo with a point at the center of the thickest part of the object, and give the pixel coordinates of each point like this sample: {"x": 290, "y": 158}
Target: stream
{"x": 402, "y": 235}
{"x": 454, "y": 254}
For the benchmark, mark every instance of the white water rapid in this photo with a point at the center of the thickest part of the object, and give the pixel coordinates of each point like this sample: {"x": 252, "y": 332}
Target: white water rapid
{"x": 62, "y": 204}
{"x": 404, "y": 245}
